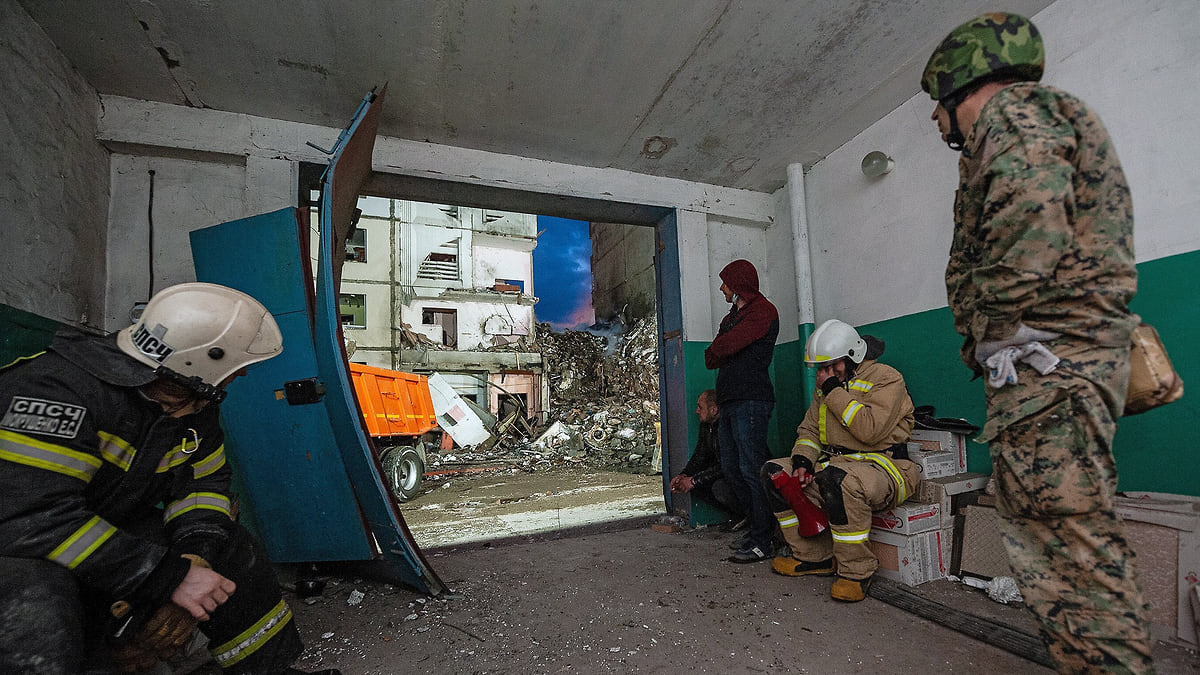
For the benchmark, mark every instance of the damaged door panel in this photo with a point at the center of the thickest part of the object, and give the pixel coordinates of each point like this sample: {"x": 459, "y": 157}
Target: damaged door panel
{"x": 338, "y": 504}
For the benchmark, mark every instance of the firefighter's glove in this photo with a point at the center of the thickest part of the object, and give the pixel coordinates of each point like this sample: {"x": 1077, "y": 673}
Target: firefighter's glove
{"x": 162, "y": 638}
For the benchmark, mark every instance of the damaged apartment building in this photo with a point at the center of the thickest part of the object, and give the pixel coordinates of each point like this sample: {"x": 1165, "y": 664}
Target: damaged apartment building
{"x": 433, "y": 288}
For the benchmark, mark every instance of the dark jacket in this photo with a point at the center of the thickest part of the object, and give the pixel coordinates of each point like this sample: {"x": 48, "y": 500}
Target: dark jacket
{"x": 745, "y": 343}
{"x": 705, "y": 465}
{"x": 97, "y": 478}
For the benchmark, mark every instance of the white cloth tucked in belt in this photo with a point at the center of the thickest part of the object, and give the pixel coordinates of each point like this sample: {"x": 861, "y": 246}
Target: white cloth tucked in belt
{"x": 1002, "y": 366}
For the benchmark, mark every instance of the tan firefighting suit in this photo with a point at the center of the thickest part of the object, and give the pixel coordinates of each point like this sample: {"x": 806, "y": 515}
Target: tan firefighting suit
{"x": 846, "y": 437}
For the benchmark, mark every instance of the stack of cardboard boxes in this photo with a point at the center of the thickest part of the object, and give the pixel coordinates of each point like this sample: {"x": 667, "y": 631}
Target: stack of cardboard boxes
{"x": 915, "y": 541}
{"x": 951, "y": 527}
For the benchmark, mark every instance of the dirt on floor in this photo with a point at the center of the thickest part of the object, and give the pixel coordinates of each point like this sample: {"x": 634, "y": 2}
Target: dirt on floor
{"x": 631, "y": 600}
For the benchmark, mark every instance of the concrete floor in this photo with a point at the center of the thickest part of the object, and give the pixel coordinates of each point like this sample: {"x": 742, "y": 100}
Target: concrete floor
{"x": 528, "y": 597}
{"x": 630, "y": 601}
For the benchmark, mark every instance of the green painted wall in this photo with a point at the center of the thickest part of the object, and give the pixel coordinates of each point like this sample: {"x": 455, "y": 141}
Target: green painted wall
{"x": 1154, "y": 451}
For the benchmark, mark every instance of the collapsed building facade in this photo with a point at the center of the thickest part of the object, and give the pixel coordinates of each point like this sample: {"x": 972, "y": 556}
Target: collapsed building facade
{"x": 448, "y": 289}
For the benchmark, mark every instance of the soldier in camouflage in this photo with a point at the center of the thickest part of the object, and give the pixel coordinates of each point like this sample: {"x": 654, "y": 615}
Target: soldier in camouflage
{"x": 1040, "y": 276}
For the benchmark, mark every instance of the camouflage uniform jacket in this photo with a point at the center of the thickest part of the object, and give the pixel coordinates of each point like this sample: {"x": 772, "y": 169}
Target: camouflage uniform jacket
{"x": 85, "y": 462}
{"x": 1043, "y": 225}
{"x": 870, "y": 413}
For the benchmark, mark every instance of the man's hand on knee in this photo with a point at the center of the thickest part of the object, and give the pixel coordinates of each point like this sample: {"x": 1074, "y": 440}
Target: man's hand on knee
{"x": 202, "y": 591}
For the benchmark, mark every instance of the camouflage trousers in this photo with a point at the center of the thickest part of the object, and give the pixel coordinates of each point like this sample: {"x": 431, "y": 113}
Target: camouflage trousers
{"x": 1055, "y": 474}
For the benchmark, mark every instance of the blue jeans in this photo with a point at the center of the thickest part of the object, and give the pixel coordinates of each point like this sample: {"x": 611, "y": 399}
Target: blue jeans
{"x": 742, "y": 436}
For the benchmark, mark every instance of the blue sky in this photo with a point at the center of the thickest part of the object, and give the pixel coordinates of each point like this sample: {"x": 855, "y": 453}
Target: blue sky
{"x": 562, "y": 273}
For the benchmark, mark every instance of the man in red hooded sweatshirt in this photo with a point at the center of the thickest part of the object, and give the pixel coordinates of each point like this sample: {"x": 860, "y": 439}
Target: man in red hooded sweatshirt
{"x": 741, "y": 354}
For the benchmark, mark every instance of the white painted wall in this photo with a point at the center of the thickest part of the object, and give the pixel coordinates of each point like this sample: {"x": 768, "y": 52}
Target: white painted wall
{"x": 54, "y": 186}
{"x": 879, "y": 247}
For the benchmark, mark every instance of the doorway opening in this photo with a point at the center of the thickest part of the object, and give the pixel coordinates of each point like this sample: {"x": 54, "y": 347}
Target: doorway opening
{"x": 571, "y": 414}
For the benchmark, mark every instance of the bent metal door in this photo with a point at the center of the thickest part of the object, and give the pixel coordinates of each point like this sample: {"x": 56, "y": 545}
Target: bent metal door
{"x": 345, "y": 474}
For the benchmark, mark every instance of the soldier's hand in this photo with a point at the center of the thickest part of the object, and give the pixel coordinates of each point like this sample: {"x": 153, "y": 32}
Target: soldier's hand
{"x": 202, "y": 591}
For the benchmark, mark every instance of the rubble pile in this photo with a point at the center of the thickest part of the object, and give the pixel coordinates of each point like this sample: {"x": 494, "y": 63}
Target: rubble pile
{"x": 605, "y": 387}
{"x": 602, "y": 411}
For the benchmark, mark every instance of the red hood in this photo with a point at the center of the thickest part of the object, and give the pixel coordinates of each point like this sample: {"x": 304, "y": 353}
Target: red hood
{"x": 741, "y": 277}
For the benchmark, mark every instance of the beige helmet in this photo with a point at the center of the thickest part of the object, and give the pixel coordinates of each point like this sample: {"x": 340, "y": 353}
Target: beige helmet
{"x": 831, "y": 341}
{"x": 199, "y": 334}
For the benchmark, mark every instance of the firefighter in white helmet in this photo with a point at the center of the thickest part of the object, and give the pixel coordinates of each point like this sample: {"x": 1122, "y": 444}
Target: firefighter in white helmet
{"x": 116, "y": 534}
{"x": 850, "y": 458}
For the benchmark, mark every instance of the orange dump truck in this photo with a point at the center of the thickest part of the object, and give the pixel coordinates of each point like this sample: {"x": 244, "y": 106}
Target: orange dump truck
{"x": 399, "y": 414}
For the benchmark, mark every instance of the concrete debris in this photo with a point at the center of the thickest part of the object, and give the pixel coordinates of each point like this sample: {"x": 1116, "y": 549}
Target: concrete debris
{"x": 603, "y": 408}
{"x": 356, "y": 597}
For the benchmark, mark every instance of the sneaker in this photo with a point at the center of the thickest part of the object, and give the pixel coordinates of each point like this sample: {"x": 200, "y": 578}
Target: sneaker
{"x": 850, "y": 590}
{"x": 749, "y": 555}
{"x": 789, "y": 566}
{"x": 740, "y": 543}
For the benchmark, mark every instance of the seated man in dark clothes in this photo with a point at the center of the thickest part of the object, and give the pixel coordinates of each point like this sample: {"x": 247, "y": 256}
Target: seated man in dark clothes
{"x": 702, "y": 476}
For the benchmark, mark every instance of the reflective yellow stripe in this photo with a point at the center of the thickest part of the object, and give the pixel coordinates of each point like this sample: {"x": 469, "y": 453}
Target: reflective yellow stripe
{"x": 210, "y": 464}
{"x": 850, "y": 537}
{"x": 177, "y": 455}
{"x": 850, "y": 411}
{"x": 808, "y": 443}
{"x": 22, "y": 449}
{"x": 197, "y": 500}
{"x": 77, "y": 547}
{"x": 789, "y": 521}
{"x": 22, "y": 358}
{"x": 861, "y": 385}
{"x": 116, "y": 450}
{"x": 821, "y": 424}
{"x": 883, "y": 461}
{"x": 253, "y": 637}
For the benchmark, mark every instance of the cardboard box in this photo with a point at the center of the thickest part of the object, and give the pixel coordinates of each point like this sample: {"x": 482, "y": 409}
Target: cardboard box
{"x": 909, "y": 518}
{"x": 912, "y": 559}
{"x": 942, "y": 491}
{"x": 943, "y": 441}
{"x": 933, "y": 464}
{"x": 1164, "y": 532}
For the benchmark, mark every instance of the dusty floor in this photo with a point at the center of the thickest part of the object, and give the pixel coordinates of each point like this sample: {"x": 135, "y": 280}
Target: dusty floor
{"x": 626, "y": 601}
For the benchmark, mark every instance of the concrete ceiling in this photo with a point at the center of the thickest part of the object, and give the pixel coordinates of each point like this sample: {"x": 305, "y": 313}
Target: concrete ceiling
{"x": 724, "y": 92}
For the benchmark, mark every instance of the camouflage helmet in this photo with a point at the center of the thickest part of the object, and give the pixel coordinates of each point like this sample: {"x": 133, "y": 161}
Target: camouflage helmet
{"x": 987, "y": 47}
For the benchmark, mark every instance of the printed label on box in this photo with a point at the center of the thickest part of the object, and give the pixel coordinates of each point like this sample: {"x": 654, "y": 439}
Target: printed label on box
{"x": 909, "y": 518}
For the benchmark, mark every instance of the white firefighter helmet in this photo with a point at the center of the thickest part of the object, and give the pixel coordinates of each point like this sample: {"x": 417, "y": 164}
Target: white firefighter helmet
{"x": 201, "y": 334}
{"x": 831, "y": 341}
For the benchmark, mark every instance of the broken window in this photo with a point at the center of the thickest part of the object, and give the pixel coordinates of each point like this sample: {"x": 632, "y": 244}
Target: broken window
{"x": 356, "y": 246}
{"x": 353, "y": 310}
{"x": 447, "y": 319}
{"x": 441, "y": 264}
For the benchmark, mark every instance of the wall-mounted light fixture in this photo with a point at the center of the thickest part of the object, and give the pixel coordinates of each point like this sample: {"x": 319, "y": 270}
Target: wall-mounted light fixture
{"x": 875, "y": 164}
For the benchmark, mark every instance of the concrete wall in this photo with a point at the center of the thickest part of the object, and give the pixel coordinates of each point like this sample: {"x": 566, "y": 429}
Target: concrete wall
{"x": 54, "y": 185}
{"x": 879, "y": 247}
{"x": 622, "y": 270}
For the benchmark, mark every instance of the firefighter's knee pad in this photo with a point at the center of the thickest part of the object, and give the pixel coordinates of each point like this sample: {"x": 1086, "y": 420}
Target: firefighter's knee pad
{"x": 829, "y": 482}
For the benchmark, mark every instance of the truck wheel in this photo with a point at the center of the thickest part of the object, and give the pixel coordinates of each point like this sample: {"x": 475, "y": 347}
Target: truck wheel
{"x": 404, "y": 469}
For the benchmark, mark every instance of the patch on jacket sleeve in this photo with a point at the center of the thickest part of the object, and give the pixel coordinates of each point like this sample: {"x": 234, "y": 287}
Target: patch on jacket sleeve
{"x": 50, "y": 418}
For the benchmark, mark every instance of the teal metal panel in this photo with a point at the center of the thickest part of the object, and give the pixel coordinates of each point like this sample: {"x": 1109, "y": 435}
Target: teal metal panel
{"x": 672, "y": 391}
{"x": 286, "y": 456}
{"x": 342, "y": 182}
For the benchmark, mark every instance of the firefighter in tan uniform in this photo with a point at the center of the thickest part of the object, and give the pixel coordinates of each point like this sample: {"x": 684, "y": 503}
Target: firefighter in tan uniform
{"x": 850, "y": 458}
